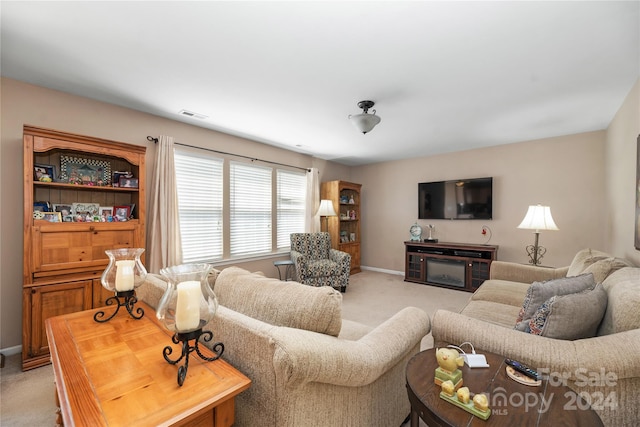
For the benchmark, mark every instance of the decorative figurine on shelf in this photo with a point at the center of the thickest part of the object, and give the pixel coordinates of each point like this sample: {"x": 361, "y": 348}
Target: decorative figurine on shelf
{"x": 448, "y": 362}
{"x": 351, "y": 201}
{"x": 480, "y": 402}
{"x": 431, "y": 239}
{"x": 463, "y": 395}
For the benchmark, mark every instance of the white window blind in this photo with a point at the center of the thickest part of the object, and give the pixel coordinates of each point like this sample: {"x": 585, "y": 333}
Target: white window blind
{"x": 250, "y": 209}
{"x": 199, "y": 182}
{"x": 291, "y": 193}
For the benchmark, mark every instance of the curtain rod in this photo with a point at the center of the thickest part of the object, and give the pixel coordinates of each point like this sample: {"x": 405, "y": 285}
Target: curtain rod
{"x": 155, "y": 140}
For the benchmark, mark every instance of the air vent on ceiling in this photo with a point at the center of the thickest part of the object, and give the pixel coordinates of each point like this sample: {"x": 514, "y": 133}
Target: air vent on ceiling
{"x": 192, "y": 114}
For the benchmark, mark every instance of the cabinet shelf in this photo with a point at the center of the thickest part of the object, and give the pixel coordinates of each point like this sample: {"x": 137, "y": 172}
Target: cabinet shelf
{"x": 66, "y": 186}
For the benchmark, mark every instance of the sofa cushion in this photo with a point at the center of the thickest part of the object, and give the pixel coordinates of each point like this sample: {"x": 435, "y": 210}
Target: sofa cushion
{"x": 290, "y": 304}
{"x": 539, "y": 292}
{"x": 623, "y": 303}
{"x": 501, "y": 291}
{"x": 584, "y": 259}
{"x": 492, "y": 312}
{"x": 570, "y": 317}
{"x": 602, "y": 268}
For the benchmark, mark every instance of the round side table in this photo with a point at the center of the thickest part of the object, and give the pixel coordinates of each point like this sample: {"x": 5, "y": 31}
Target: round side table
{"x": 511, "y": 403}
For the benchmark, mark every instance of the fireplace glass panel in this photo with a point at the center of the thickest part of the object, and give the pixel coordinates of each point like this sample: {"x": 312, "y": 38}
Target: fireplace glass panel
{"x": 446, "y": 272}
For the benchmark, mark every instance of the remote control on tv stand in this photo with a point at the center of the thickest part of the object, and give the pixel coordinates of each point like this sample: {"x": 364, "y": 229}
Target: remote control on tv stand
{"x": 524, "y": 369}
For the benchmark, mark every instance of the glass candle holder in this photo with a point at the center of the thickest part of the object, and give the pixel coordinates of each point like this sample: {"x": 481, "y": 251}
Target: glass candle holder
{"x": 125, "y": 270}
{"x": 189, "y": 302}
{"x": 124, "y": 273}
{"x": 186, "y": 307}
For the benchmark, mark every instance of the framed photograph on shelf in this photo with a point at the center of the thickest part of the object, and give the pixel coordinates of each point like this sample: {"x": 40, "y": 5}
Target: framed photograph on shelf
{"x": 76, "y": 170}
{"x": 41, "y": 207}
{"x": 85, "y": 208}
{"x": 106, "y": 211}
{"x": 122, "y": 212}
{"x": 128, "y": 182}
{"x": 120, "y": 174}
{"x": 64, "y": 209}
{"x": 52, "y": 216}
{"x": 45, "y": 173}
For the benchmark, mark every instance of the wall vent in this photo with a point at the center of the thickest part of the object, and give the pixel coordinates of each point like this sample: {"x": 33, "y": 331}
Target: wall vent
{"x": 192, "y": 114}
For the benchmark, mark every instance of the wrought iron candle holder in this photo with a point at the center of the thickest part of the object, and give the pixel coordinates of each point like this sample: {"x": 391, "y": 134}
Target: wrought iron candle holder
{"x": 185, "y": 338}
{"x": 124, "y": 273}
{"x": 186, "y": 307}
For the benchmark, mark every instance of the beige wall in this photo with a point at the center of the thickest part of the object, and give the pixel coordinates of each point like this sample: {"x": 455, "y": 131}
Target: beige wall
{"x": 587, "y": 179}
{"x": 566, "y": 173}
{"x": 620, "y": 160}
{"x": 27, "y": 104}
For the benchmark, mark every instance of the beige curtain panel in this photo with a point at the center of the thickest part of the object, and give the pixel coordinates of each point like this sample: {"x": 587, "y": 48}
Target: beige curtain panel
{"x": 312, "y": 221}
{"x": 164, "y": 241}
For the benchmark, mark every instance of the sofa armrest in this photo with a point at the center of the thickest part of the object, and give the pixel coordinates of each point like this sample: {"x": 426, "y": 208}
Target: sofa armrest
{"x": 523, "y": 273}
{"x": 611, "y": 352}
{"x": 302, "y": 357}
{"x": 300, "y": 261}
{"x": 342, "y": 258}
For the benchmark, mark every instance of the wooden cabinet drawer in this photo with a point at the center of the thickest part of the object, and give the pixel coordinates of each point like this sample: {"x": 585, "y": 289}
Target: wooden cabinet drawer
{"x": 77, "y": 246}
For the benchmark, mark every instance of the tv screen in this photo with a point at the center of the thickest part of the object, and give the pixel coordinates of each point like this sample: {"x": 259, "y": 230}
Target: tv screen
{"x": 456, "y": 199}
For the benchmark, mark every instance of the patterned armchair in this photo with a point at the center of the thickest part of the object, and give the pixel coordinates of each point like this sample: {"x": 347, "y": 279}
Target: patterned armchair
{"x": 316, "y": 263}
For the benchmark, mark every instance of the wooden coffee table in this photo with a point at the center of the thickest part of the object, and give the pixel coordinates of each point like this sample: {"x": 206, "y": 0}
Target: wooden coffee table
{"x": 114, "y": 374}
{"x": 519, "y": 405}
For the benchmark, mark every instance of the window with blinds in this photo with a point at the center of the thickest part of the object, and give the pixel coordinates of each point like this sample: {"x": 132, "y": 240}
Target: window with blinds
{"x": 250, "y": 209}
{"x": 291, "y": 194}
{"x": 199, "y": 181}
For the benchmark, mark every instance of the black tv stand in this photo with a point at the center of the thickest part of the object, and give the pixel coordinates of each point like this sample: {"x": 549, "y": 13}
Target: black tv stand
{"x": 459, "y": 266}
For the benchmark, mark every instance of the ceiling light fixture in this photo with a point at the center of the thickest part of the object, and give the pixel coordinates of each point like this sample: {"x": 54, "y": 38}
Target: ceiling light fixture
{"x": 365, "y": 122}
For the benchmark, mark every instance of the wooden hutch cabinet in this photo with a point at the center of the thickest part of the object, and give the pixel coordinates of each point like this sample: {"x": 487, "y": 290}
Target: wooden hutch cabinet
{"x": 64, "y": 257}
{"x": 344, "y": 228}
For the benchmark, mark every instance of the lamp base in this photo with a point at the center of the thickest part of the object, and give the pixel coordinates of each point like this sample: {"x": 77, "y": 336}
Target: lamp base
{"x": 184, "y": 338}
{"x": 129, "y": 300}
{"x": 431, "y": 240}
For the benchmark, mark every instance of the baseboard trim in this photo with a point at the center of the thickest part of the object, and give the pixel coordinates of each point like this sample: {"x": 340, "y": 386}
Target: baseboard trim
{"x": 383, "y": 270}
{"x": 10, "y": 351}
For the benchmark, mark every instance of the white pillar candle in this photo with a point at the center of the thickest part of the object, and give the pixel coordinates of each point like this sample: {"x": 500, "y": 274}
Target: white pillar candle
{"x": 188, "y": 306}
{"x": 124, "y": 275}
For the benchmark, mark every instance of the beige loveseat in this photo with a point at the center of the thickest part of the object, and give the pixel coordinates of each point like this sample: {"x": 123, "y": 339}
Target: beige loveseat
{"x": 308, "y": 366}
{"x": 604, "y": 368}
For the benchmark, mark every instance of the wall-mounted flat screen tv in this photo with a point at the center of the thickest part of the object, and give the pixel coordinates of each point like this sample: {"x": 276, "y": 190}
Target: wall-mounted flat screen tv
{"x": 456, "y": 199}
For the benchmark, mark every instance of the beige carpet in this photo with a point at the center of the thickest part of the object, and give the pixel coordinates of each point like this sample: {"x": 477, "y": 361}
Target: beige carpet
{"x": 27, "y": 398}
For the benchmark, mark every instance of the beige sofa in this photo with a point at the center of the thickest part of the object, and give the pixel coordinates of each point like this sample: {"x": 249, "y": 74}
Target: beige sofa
{"x": 604, "y": 368}
{"x": 308, "y": 366}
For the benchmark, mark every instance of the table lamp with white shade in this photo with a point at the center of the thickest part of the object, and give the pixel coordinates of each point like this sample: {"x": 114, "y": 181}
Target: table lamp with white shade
{"x": 538, "y": 218}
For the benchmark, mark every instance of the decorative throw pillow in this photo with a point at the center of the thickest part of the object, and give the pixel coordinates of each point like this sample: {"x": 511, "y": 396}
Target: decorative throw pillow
{"x": 601, "y": 269}
{"x": 584, "y": 259}
{"x": 539, "y": 292}
{"x": 570, "y": 317}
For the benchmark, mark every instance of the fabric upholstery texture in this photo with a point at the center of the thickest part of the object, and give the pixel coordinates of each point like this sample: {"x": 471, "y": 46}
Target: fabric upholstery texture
{"x": 300, "y": 377}
{"x": 539, "y": 292}
{"x": 623, "y": 304}
{"x": 317, "y": 264}
{"x": 584, "y": 259}
{"x": 280, "y": 303}
{"x": 488, "y": 323}
{"x": 572, "y": 316}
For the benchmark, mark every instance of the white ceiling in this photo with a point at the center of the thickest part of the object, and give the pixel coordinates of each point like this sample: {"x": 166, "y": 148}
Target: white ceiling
{"x": 445, "y": 76}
